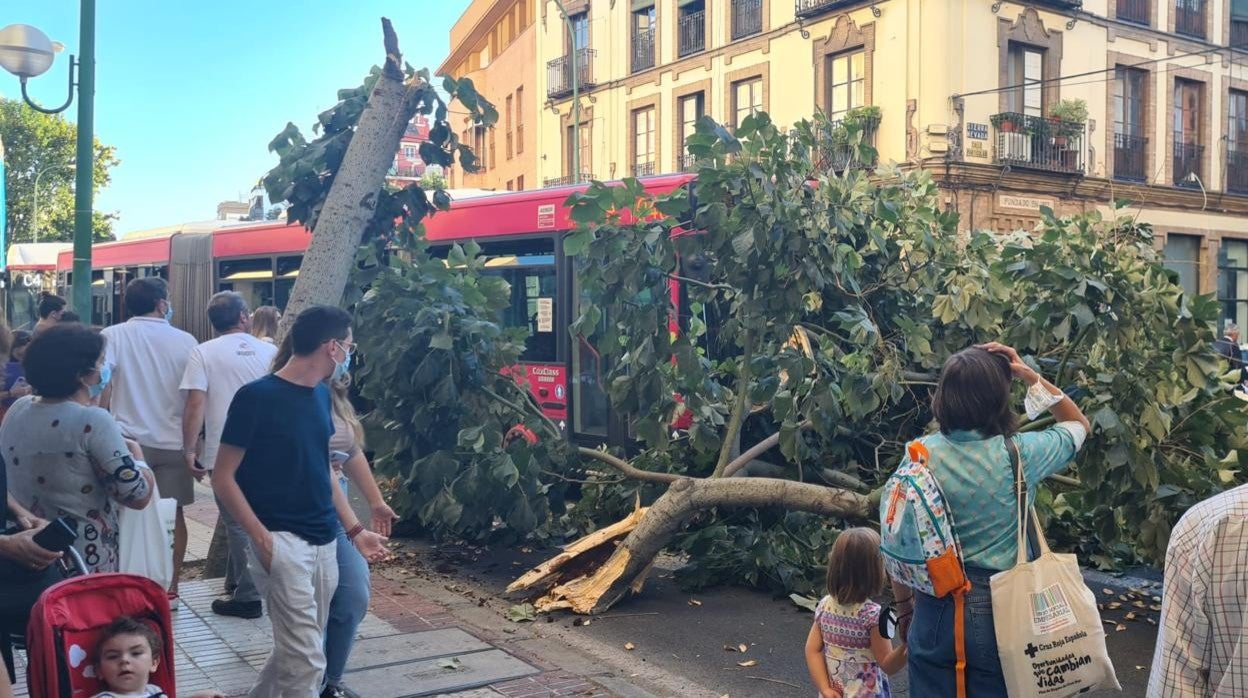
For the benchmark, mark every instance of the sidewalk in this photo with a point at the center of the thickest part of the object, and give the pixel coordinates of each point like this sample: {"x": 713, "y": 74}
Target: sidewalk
{"x": 407, "y": 646}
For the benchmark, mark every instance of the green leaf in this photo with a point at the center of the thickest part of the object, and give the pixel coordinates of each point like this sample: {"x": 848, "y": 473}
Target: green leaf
{"x": 442, "y": 340}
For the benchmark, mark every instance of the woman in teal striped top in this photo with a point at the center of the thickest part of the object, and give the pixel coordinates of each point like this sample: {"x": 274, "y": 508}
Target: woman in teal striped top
{"x": 971, "y": 462}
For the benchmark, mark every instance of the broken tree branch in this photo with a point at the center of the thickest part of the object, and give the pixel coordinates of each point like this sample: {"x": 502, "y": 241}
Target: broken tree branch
{"x": 627, "y": 468}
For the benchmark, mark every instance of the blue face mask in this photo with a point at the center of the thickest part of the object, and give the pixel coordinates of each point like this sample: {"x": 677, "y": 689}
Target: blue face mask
{"x": 341, "y": 368}
{"x": 168, "y": 312}
{"x": 106, "y": 373}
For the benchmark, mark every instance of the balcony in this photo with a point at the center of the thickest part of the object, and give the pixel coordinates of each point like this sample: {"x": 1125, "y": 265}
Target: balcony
{"x": 747, "y": 18}
{"x": 688, "y": 162}
{"x": 1136, "y": 11}
{"x": 643, "y": 50}
{"x": 1187, "y": 159}
{"x": 837, "y": 149}
{"x": 1189, "y": 18}
{"x": 691, "y": 33}
{"x": 567, "y": 180}
{"x": 559, "y": 73}
{"x": 1129, "y": 157}
{"x": 1037, "y": 143}
{"x": 1237, "y": 168}
{"x": 643, "y": 169}
{"x": 1239, "y": 34}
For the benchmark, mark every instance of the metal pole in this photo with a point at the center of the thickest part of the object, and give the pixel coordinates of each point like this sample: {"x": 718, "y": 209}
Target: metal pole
{"x": 85, "y": 185}
{"x": 576, "y": 96}
{"x": 34, "y": 214}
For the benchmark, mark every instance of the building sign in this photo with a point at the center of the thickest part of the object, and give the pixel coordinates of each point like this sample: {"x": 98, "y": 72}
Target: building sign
{"x": 977, "y": 149}
{"x": 1024, "y": 203}
{"x": 977, "y": 132}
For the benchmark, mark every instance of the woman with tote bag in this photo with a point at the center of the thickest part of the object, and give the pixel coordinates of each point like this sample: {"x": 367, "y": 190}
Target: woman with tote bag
{"x": 969, "y": 458}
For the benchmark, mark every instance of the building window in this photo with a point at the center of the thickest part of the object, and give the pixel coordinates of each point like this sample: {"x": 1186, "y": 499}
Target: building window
{"x": 493, "y": 154}
{"x": 846, "y": 82}
{"x": 1188, "y": 148}
{"x": 747, "y": 98}
{"x": 747, "y": 18}
{"x": 1233, "y": 281}
{"x": 508, "y": 120}
{"x": 689, "y": 108}
{"x": 409, "y": 152}
{"x": 520, "y": 183}
{"x": 643, "y": 142}
{"x": 519, "y": 121}
{"x": 643, "y": 43}
{"x": 478, "y": 147}
{"x": 584, "y": 151}
{"x": 1237, "y": 142}
{"x": 1025, "y": 76}
{"x": 1182, "y": 256}
{"x": 1189, "y": 17}
{"x": 690, "y": 27}
{"x": 1130, "y": 143}
{"x": 1136, "y": 11}
{"x": 577, "y": 36}
{"x": 510, "y": 184}
{"x": 1239, "y": 24}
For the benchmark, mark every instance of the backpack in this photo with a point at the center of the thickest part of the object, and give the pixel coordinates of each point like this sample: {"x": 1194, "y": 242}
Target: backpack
{"x": 920, "y": 544}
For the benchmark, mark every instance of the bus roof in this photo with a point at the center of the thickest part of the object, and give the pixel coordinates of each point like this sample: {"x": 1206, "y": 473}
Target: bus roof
{"x": 524, "y": 212}
{"x": 34, "y": 256}
{"x": 274, "y": 237}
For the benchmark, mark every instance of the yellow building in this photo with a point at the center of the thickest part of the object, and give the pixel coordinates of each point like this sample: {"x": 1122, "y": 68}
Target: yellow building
{"x": 965, "y": 89}
{"x": 494, "y": 44}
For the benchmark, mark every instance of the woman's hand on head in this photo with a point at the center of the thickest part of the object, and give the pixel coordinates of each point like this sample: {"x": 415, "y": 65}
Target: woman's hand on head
{"x": 1018, "y": 369}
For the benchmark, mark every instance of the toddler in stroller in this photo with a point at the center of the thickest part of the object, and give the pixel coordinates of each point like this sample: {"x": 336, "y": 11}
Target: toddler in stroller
{"x": 102, "y": 634}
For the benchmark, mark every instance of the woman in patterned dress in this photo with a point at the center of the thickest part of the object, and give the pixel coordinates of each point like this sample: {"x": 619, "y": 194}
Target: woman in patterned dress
{"x": 845, "y": 652}
{"x": 65, "y": 457}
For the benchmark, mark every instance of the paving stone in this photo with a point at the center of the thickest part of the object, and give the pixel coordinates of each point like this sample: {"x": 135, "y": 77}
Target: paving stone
{"x": 432, "y": 677}
{"x": 386, "y": 651}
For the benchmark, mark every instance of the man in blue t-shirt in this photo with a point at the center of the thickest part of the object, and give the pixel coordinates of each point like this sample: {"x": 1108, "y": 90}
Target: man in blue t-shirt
{"x": 273, "y": 476}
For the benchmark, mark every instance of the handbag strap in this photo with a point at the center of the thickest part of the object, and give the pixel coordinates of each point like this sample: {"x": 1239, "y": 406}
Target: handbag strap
{"x": 1027, "y": 522}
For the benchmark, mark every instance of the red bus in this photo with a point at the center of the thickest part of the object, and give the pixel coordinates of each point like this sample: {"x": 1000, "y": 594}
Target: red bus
{"x": 521, "y": 237}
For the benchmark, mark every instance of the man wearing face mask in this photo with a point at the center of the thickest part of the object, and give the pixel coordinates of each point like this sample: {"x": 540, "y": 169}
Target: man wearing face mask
{"x": 273, "y": 475}
{"x": 148, "y": 356}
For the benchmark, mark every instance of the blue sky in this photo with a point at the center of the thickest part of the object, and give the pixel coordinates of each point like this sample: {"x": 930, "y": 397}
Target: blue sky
{"x": 191, "y": 93}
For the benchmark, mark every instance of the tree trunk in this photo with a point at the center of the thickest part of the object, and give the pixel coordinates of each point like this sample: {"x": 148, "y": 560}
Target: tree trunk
{"x": 625, "y": 569}
{"x": 218, "y": 553}
{"x": 352, "y": 198}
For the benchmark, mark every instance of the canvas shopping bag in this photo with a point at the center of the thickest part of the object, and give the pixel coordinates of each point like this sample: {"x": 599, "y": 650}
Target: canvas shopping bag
{"x": 145, "y": 539}
{"x": 1049, "y": 632}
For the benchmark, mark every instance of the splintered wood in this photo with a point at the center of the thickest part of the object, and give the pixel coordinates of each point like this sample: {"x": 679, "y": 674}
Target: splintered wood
{"x": 577, "y": 578}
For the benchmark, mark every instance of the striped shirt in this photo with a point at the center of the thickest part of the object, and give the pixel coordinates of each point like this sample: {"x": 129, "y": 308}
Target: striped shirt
{"x": 977, "y": 479}
{"x": 1202, "y": 645}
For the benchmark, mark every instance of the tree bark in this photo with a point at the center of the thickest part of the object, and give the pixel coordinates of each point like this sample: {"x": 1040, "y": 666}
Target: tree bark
{"x": 625, "y": 569}
{"x": 352, "y": 198}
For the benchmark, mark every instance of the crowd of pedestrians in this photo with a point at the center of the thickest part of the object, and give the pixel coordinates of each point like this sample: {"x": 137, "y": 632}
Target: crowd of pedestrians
{"x": 100, "y": 420}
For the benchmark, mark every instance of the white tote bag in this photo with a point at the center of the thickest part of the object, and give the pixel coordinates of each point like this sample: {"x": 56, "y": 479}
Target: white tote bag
{"x": 145, "y": 539}
{"x": 1049, "y": 632}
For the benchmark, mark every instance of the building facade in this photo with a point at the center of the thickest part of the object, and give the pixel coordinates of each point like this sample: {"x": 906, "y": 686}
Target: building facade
{"x": 1011, "y": 107}
{"x": 408, "y": 166}
{"x": 494, "y": 43}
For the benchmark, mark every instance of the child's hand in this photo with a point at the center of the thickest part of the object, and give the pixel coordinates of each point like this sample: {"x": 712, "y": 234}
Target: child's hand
{"x": 827, "y": 693}
{"x": 208, "y": 694}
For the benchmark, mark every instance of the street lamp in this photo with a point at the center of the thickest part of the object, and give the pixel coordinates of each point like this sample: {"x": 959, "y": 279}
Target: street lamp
{"x": 35, "y": 204}
{"x": 27, "y": 53}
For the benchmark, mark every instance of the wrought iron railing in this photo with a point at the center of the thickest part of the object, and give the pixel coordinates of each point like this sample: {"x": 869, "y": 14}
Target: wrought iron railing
{"x": 1134, "y": 10}
{"x": 1129, "y": 157}
{"x": 643, "y": 169}
{"x": 688, "y": 162}
{"x": 643, "y": 50}
{"x": 691, "y": 33}
{"x": 1189, "y": 18}
{"x": 837, "y": 148}
{"x": 747, "y": 18}
{"x": 1187, "y": 159}
{"x": 559, "y": 73}
{"x": 1237, "y": 168}
{"x": 1239, "y": 34}
{"x": 1038, "y": 143}
{"x": 567, "y": 180}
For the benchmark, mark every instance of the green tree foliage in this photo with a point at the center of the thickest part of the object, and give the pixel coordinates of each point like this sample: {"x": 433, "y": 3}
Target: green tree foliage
{"x": 432, "y": 180}
{"x": 35, "y": 142}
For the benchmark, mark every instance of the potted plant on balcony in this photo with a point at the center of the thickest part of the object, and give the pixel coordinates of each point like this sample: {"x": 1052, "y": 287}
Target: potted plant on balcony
{"x": 1007, "y": 122}
{"x": 1070, "y": 116}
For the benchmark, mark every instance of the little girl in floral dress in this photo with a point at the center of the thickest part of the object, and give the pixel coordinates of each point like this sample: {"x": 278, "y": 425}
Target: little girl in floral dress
{"x": 846, "y": 655}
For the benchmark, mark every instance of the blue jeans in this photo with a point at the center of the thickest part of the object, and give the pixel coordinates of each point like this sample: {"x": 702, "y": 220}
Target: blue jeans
{"x": 348, "y": 607}
{"x": 932, "y": 658}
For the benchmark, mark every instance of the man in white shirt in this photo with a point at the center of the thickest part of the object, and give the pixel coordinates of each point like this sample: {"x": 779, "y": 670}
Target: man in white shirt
{"x": 1202, "y": 642}
{"x": 148, "y": 357}
{"x": 215, "y": 371}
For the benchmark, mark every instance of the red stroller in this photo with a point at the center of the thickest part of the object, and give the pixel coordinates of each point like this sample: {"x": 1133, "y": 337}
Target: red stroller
{"x": 67, "y": 620}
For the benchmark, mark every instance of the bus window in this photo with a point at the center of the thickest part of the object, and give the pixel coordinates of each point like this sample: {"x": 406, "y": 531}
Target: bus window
{"x": 287, "y": 272}
{"x": 591, "y": 408}
{"x": 252, "y": 278}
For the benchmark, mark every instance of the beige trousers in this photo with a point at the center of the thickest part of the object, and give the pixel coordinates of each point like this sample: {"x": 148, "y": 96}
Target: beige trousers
{"x": 297, "y": 590}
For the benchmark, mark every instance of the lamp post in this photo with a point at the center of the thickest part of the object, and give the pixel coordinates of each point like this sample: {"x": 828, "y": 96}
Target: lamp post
{"x": 576, "y": 95}
{"x": 35, "y": 196}
{"x": 27, "y": 52}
